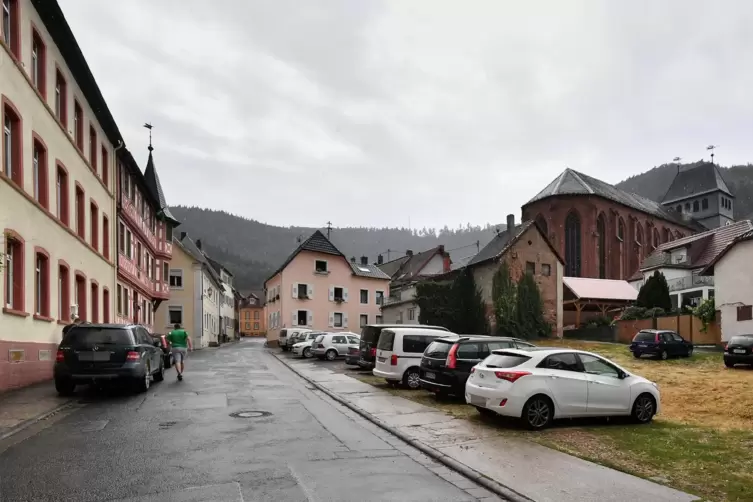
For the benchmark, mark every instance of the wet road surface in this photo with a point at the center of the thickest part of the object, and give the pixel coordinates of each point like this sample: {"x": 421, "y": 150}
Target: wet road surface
{"x": 240, "y": 427}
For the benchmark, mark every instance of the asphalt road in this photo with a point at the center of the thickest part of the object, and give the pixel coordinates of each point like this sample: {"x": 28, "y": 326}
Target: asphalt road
{"x": 181, "y": 442}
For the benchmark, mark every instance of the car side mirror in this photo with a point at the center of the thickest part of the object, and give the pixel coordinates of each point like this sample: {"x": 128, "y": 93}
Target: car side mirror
{"x": 156, "y": 343}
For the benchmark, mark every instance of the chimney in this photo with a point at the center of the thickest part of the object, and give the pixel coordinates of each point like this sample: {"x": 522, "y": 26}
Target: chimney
{"x": 510, "y": 221}
{"x": 409, "y": 253}
{"x": 364, "y": 260}
{"x": 380, "y": 260}
{"x": 198, "y": 243}
{"x": 182, "y": 236}
{"x": 352, "y": 259}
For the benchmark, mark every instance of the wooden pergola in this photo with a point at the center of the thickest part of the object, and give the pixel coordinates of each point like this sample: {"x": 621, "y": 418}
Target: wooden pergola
{"x": 596, "y": 295}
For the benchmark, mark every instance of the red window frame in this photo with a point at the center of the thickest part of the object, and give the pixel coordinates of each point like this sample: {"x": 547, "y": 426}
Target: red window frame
{"x": 16, "y": 131}
{"x": 80, "y": 211}
{"x": 41, "y": 66}
{"x": 64, "y": 290}
{"x": 41, "y": 284}
{"x": 43, "y": 172}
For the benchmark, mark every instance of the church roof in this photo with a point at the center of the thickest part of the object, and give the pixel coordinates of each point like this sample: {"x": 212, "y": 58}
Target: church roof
{"x": 695, "y": 181}
{"x": 572, "y": 182}
{"x": 155, "y": 189}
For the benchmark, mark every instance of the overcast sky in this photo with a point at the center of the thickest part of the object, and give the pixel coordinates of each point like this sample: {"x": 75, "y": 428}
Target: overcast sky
{"x": 377, "y": 113}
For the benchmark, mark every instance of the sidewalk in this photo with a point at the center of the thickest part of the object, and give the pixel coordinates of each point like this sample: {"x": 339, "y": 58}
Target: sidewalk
{"x": 537, "y": 472}
{"x": 20, "y": 407}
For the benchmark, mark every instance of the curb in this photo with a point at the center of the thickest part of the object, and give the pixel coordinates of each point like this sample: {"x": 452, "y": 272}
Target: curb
{"x": 495, "y": 487}
{"x": 28, "y": 423}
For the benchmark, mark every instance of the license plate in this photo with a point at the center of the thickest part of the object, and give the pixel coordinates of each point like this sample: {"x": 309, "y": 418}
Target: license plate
{"x": 381, "y": 359}
{"x": 478, "y": 401}
{"x": 643, "y": 345}
{"x": 739, "y": 351}
{"x": 430, "y": 375}
{"x": 94, "y": 356}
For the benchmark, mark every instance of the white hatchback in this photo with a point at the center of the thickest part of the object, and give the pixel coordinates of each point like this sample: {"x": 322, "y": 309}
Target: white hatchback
{"x": 303, "y": 348}
{"x": 541, "y": 385}
{"x": 399, "y": 352}
{"x": 330, "y": 346}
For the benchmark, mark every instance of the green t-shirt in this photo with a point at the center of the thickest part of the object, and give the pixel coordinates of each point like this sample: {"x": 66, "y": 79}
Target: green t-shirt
{"x": 178, "y": 338}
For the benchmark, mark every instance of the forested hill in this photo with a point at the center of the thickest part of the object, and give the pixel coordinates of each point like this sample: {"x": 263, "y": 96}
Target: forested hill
{"x": 253, "y": 250}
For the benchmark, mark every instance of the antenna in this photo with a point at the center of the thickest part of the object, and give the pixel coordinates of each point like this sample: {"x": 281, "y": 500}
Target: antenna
{"x": 149, "y": 126}
{"x": 712, "y": 148}
{"x": 329, "y": 228}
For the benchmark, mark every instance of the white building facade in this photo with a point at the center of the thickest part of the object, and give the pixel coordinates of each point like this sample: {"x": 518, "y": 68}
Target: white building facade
{"x": 57, "y": 185}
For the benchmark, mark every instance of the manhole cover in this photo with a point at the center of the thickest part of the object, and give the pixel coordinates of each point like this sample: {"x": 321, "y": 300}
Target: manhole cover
{"x": 166, "y": 425}
{"x": 250, "y": 414}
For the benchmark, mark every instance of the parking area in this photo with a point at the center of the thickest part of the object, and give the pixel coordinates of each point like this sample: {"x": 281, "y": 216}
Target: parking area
{"x": 338, "y": 365}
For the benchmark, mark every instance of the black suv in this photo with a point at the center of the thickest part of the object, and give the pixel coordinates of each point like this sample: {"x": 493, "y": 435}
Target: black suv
{"x": 98, "y": 353}
{"x": 447, "y": 362}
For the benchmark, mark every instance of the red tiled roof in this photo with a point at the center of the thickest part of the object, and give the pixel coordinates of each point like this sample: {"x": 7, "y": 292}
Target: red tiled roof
{"x": 600, "y": 289}
{"x": 740, "y": 238}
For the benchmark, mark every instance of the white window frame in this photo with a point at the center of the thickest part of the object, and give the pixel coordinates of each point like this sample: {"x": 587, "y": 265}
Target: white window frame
{"x": 177, "y": 273}
{"x": 326, "y": 267}
{"x": 359, "y": 320}
{"x": 35, "y": 62}
{"x": 7, "y": 23}
{"x": 174, "y": 308}
{"x": 8, "y": 146}
{"x": 379, "y": 297}
{"x": 412, "y": 314}
{"x": 360, "y": 299}
{"x": 129, "y": 244}
{"x": 342, "y": 320}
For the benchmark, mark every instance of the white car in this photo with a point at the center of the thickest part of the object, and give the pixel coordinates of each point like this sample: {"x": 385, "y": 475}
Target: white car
{"x": 330, "y": 346}
{"x": 399, "y": 352}
{"x": 541, "y": 385}
{"x": 304, "y": 348}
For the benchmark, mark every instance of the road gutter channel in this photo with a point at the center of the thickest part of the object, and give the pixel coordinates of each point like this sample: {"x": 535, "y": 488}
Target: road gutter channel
{"x": 42, "y": 416}
{"x": 493, "y": 486}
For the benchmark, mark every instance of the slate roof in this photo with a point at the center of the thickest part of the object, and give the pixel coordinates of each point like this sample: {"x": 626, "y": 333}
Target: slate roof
{"x": 572, "y": 182}
{"x": 318, "y": 243}
{"x": 411, "y": 266}
{"x": 371, "y": 271}
{"x": 747, "y": 236}
{"x": 190, "y": 247}
{"x": 502, "y": 242}
{"x": 155, "y": 188}
{"x": 391, "y": 267}
{"x": 698, "y": 180}
{"x": 703, "y": 248}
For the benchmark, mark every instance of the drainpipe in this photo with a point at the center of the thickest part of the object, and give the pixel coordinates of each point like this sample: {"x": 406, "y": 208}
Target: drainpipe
{"x": 116, "y": 224}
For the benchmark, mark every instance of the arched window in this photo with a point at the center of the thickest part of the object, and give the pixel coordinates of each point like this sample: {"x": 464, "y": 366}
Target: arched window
{"x": 621, "y": 254}
{"x": 640, "y": 245}
{"x": 696, "y": 207}
{"x": 601, "y": 246}
{"x": 656, "y": 238}
{"x": 667, "y": 236}
{"x": 572, "y": 245}
{"x": 541, "y": 222}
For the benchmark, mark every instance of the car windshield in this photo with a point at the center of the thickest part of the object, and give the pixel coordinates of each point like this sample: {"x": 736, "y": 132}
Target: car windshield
{"x": 98, "y": 336}
{"x": 505, "y": 360}
{"x": 645, "y": 336}
{"x": 745, "y": 341}
{"x": 438, "y": 349}
{"x": 386, "y": 340}
{"x": 319, "y": 338}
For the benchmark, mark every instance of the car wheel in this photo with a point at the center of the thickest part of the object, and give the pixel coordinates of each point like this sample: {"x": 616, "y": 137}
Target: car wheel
{"x": 637, "y": 355}
{"x": 143, "y": 383}
{"x": 160, "y": 375}
{"x": 690, "y": 351}
{"x": 644, "y": 408}
{"x": 538, "y": 413}
{"x": 663, "y": 356}
{"x": 411, "y": 379}
{"x": 485, "y": 411}
{"x": 729, "y": 364}
{"x": 307, "y": 353}
{"x": 331, "y": 354}
{"x": 65, "y": 386}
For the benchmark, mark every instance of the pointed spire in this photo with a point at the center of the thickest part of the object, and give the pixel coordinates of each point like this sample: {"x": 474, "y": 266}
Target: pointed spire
{"x": 149, "y": 126}
{"x": 153, "y": 183}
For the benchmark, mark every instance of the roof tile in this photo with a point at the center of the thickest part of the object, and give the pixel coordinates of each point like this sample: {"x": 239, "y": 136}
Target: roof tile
{"x": 700, "y": 179}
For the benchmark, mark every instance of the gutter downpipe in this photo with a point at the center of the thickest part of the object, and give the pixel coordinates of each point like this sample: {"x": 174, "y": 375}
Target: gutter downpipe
{"x": 116, "y": 225}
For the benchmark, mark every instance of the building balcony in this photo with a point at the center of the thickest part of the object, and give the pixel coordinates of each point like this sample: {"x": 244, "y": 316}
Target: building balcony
{"x": 134, "y": 219}
{"x": 690, "y": 282}
{"x": 666, "y": 260}
{"x": 140, "y": 278}
{"x": 164, "y": 249}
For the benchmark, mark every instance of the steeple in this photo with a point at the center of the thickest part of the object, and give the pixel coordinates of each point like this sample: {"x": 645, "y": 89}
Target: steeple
{"x": 154, "y": 185}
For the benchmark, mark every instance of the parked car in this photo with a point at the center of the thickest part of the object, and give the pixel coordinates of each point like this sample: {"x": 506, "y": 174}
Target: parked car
{"x": 167, "y": 350}
{"x": 447, "y": 362}
{"x": 370, "y": 338}
{"x": 660, "y": 343}
{"x": 98, "y": 353}
{"x": 739, "y": 350}
{"x": 399, "y": 353}
{"x": 539, "y": 385}
{"x": 303, "y": 348}
{"x": 353, "y": 355}
{"x": 330, "y": 346}
{"x": 297, "y": 336}
{"x": 287, "y": 337}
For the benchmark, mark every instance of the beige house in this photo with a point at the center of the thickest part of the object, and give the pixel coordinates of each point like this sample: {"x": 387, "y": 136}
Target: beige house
{"x": 57, "y": 185}
{"x": 194, "y": 295}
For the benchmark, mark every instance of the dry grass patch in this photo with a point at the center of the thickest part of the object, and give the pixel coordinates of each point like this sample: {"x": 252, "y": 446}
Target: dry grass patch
{"x": 697, "y": 391}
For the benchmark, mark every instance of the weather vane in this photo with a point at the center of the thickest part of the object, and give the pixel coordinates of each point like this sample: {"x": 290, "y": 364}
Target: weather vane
{"x": 712, "y": 148}
{"x": 149, "y": 126}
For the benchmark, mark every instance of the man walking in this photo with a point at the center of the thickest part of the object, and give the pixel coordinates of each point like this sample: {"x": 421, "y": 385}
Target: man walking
{"x": 181, "y": 343}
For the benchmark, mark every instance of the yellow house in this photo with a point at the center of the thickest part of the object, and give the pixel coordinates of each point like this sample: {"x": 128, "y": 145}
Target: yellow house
{"x": 195, "y": 292}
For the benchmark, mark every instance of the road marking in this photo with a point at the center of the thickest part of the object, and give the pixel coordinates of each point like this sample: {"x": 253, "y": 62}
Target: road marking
{"x": 305, "y": 489}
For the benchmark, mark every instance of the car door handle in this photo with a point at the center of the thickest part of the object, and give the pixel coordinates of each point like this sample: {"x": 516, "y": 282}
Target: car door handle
{"x": 596, "y": 382}
{"x": 553, "y": 376}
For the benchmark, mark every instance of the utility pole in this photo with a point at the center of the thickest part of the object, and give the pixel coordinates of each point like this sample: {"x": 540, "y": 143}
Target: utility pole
{"x": 329, "y": 229}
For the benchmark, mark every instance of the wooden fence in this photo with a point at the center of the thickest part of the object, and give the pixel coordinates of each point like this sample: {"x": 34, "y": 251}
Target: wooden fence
{"x": 687, "y": 326}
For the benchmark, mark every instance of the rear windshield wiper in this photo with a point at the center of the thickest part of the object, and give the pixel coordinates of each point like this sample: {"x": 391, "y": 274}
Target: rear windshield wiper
{"x": 493, "y": 366}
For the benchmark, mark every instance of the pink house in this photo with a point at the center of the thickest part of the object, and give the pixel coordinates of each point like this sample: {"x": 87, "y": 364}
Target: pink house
{"x": 318, "y": 288}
